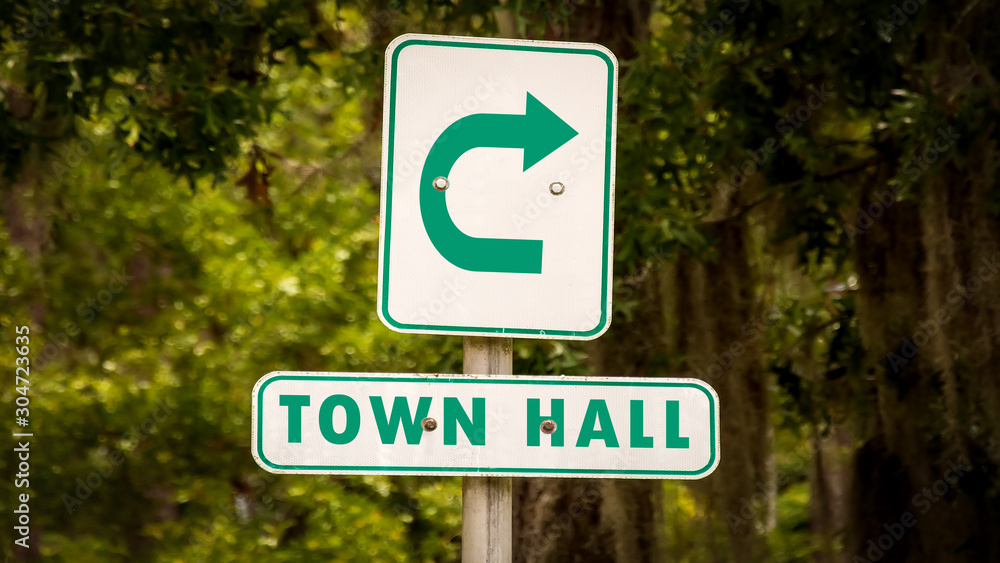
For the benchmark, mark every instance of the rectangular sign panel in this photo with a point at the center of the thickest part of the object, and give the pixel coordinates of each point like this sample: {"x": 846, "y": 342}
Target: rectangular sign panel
{"x": 498, "y": 168}
{"x": 478, "y": 425}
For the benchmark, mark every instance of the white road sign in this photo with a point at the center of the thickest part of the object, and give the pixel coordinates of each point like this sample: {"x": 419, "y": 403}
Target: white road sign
{"x": 498, "y": 166}
{"x": 499, "y": 425}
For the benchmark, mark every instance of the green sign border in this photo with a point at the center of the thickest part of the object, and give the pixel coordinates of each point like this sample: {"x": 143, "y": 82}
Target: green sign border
{"x": 258, "y": 427}
{"x": 548, "y": 47}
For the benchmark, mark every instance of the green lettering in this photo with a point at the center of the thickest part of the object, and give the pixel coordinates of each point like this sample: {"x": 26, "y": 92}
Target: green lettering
{"x": 597, "y": 409}
{"x": 637, "y": 439}
{"x": 388, "y": 427}
{"x": 674, "y": 440}
{"x": 326, "y": 419}
{"x": 454, "y": 414}
{"x": 535, "y": 421}
{"x": 294, "y": 404}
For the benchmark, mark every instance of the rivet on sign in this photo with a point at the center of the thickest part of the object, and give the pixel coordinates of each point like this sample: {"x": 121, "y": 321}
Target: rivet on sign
{"x": 429, "y": 424}
{"x": 549, "y": 426}
{"x": 556, "y": 188}
{"x": 440, "y": 183}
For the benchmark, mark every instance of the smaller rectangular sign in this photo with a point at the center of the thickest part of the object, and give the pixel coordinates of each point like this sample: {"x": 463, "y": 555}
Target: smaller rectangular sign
{"x": 482, "y": 425}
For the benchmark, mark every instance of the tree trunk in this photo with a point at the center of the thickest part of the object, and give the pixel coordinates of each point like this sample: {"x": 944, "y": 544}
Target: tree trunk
{"x": 558, "y": 520}
{"x": 579, "y": 521}
{"x": 717, "y": 302}
{"x": 930, "y": 319}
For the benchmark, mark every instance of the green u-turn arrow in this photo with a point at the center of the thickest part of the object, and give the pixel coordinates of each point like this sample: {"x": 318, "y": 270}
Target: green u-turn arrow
{"x": 538, "y": 132}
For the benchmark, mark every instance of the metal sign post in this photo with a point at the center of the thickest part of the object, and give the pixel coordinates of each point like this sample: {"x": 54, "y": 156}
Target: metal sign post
{"x": 486, "y": 501}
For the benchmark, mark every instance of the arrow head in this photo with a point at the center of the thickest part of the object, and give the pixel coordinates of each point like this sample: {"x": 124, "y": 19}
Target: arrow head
{"x": 545, "y": 132}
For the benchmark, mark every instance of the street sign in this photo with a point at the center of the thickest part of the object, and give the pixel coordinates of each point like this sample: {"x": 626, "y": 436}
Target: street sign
{"x": 477, "y": 425}
{"x": 497, "y": 187}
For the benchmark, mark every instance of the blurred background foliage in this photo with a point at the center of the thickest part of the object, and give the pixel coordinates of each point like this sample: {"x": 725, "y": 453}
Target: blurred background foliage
{"x": 219, "y": 162}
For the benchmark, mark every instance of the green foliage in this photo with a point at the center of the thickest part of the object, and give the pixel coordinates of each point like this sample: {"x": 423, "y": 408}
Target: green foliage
{"x": 220, "y": 287}
{"x": 218, "y": 162}
{"x": 181, "y": 83}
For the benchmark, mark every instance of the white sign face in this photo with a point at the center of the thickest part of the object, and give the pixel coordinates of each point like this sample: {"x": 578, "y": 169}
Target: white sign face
{"x": 498, "y": 165}
{"x": 499, "y": 425}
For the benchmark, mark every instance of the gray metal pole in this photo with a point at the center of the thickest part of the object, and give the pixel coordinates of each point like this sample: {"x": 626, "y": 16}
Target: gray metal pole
{"x": 486, "y": 502}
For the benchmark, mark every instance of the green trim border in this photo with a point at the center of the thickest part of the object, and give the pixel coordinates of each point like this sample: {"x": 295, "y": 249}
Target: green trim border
{"x": 392, "y": 56}
{"x": 257, "y": 437}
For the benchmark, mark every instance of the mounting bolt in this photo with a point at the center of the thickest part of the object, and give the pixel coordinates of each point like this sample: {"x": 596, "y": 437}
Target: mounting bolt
{"x": 440, "y": 183}
{"x": 429, "y": 424}
{"x": 548, "y": 426}
{"x": 556, "y": 188}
